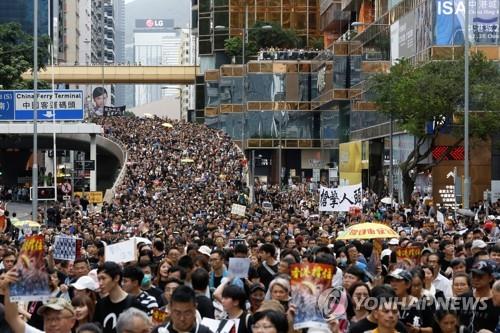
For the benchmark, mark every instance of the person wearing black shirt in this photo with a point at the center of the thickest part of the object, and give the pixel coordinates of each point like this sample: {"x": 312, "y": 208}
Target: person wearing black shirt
{"x": 370, "y": 322}
{"x": 199, "y": 281}
{"x": 182, "y": 314}
{"x": 269, "y": 266}
{"x": 109, "y": 308}
{"x": 486, "y": 314}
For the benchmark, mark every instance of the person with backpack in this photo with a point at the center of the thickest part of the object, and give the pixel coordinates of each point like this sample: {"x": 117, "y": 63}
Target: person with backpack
{"x": 269, "y": 265}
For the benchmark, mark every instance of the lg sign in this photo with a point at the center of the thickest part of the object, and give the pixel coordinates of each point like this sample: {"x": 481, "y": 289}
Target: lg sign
{"x": 154, "y": 23}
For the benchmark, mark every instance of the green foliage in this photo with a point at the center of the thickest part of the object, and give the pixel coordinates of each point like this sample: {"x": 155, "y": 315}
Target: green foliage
{"x": 317, "y": 43}
{"x": 233, "y": 46}
{"x": 16, "y": 55}
{"x": 415, "y": 95}
{"x": 275, "y": 37}
{"x": 259, "y": 38}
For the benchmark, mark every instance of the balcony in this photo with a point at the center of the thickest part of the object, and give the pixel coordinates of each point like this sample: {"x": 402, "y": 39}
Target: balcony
{"x": 334, "y": 19}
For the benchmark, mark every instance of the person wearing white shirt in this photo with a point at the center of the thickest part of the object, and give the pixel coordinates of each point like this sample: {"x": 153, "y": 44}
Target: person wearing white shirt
{"x": 440, "y": 282}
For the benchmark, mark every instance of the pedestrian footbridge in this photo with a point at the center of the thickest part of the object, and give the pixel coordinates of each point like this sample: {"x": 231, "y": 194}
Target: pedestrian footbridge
{"x": 125, "y": 74}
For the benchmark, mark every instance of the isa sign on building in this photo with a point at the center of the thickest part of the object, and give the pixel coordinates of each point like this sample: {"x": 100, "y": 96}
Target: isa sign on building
{"x": 483, "y": 24}
{"x": 17, "y": 105}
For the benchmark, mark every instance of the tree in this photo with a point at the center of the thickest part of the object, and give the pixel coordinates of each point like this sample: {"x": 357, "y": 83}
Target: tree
{"x": 16, "y": 56}
{"x": 259, "y": 38}
{"x": 415, "y": 95}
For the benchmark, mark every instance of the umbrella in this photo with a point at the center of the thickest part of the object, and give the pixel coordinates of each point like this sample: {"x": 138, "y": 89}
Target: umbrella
{"x": 168, "y": 125}
{"x": 386, "y": 201}
{"x": 20, "y": 224}
{"x": 368, "y": 231}
{"x": 187, "y": 160}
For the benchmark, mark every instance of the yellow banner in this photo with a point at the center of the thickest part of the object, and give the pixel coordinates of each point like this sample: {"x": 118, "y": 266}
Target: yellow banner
{"x": 93, "y": 197}
{"x": 350, "y": 163}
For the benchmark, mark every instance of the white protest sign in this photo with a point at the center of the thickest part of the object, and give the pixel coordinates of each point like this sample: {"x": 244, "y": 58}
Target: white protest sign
{"x": 121, "y": 252}
{"x": 238, "y": 267}
{"x": 238, "y": 209}
{"x": 340, "y": 199}
{"x": 440, "y": 217}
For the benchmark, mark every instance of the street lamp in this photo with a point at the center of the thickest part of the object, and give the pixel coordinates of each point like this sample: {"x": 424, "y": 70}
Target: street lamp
{"x": 361, "y": 24}
{"x": 34, "y": 168}
{"x": 466, "y": 108}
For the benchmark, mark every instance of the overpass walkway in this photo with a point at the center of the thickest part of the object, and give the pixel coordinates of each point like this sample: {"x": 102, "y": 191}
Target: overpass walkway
{"x": 124, "y": 74}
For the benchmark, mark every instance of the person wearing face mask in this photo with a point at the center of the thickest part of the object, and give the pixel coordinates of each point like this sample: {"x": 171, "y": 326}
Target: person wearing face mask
{"x": 131, "y": 283}
{"x": 147, "y": 284}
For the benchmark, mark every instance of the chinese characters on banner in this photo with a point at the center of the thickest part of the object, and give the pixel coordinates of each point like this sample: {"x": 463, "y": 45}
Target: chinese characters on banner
{"x": 340, "y": 199}
{"x": 33, "y": 281}
{"x": 308, "y": 281}
{"x": 411, "y": 253}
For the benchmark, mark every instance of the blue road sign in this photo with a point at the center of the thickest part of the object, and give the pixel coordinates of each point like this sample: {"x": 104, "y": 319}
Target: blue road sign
{"x": 17, "y": 105}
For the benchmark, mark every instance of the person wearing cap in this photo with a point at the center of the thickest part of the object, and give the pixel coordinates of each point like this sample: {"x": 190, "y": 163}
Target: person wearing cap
{"x": 486, "y": 313}
{"x": 85, "y": 285}
{"x": 410, "y": 312}
{"x": 205, "y": 250}
{"x": 393, "y": 244}
{"x": 58, "y": 313}
{"x": 257, "y": 293}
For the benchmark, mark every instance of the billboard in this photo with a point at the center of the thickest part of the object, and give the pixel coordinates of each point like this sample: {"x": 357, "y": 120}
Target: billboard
{"x": 350, "y": 165}
{"x": 154, "y": 24}
{"x": 403, "y": 37}
{"x": 483, "y": 22}
{"x": 100, "y": 100}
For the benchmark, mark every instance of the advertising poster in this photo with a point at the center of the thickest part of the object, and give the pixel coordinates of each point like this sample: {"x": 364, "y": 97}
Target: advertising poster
{"x": 33, "y": 281}
{"x": 450, "y": 20}
{"x": 308, "y": 282}
{"x": 100, "y": 99}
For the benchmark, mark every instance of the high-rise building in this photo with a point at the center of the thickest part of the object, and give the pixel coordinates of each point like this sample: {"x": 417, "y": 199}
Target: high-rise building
{"x": 158, "y": 42}
{"x": 103, "y": 32}
{"x": 119, "y": 18}
{"x": 21, "y": 11}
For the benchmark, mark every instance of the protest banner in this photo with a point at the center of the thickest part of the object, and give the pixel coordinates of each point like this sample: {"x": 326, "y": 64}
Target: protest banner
{"x": 234, "y": 242}
{"x": 121, "y": 252}
{"x": 340, "y": 199}
{"x": 159, "y": 317}
{"x": 33, "y": 280}
{"x": 308, "y": 281}
{"x": 67, "y": 248}
{"x": 239, "y": 210}
{"x": 411, "y": 253}
{"x": 238, "y": 267}
{"x": 3, "y": 223}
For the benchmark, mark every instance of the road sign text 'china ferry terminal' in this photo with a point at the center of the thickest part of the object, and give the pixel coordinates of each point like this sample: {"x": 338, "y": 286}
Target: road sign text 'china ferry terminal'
{"x": 17, "y": 105}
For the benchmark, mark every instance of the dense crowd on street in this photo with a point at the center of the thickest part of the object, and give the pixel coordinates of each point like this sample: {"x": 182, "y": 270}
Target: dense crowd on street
{"x": 176, "y": 198}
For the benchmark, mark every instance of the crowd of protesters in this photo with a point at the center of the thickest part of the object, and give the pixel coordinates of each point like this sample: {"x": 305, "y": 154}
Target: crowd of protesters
{"x": 177, "y": 193}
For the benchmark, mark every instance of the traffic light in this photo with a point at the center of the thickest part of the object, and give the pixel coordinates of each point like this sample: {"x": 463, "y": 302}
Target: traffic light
{"x": 44, "y": 193}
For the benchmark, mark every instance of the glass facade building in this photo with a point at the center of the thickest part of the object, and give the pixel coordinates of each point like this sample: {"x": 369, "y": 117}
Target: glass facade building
{"x": 302, "y": 16}
{"x": 21, "y": 11}
{"x": 275, "y": 108}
